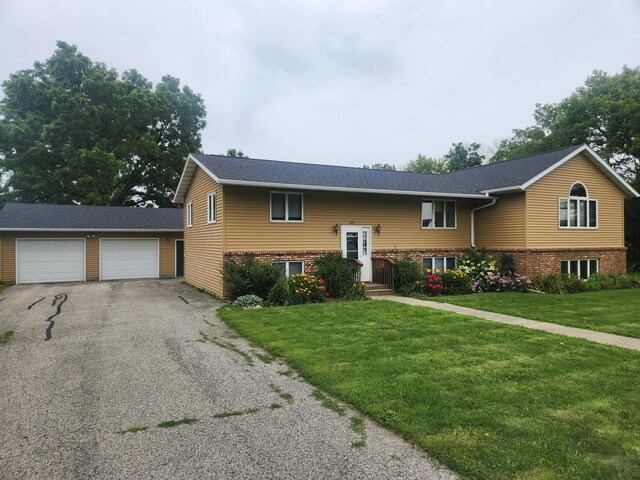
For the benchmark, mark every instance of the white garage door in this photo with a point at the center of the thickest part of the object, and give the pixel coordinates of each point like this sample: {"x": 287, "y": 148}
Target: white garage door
{"x": 49, "y": 260}
{"x": 128, "y": 258}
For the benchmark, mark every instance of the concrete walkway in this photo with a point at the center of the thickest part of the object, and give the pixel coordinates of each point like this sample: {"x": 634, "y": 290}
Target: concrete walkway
{"x": 592, "y": 335}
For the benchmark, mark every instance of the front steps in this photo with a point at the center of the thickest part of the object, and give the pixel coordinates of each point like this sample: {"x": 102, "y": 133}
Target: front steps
{"x": 377, "y": 289}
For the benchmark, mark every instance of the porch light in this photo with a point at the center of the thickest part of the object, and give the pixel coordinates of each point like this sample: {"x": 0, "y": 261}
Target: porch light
{"x": 378, "y": 229}
{"x": 336, "y": 228}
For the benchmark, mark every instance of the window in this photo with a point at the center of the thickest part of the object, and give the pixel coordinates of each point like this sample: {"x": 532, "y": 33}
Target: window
{"x": 286, "y": 207}
{"x": 577, "y": 210}
{"x": 189, "y": 215}
{"x": 583, "y": 268}
{"x": 437, "y": 264}
{"x": 289, "y": 268}
{"x": 211, "y": 208}
{"x": 438, "y": 214}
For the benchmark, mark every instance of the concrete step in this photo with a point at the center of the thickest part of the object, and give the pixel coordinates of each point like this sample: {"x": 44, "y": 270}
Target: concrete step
{"x": 377, "y": 289}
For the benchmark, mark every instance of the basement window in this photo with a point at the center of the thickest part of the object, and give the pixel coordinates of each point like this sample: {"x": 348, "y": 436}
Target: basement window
{"x": 431, "y": 265}
{"x": 289, "y": 268}
{"x": 582, "y": 268}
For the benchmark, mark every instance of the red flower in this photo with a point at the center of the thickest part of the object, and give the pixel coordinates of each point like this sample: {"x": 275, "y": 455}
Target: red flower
{"x": 326, "y": 294}
{"x": 323, "y": 288}
{"x": 320, "y": 281}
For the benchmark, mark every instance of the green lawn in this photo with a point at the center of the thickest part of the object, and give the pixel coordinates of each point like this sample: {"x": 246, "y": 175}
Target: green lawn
{"x": 611, "y": 311}
{"x": 488, "y": 400}
{"x": 4, "y": 286}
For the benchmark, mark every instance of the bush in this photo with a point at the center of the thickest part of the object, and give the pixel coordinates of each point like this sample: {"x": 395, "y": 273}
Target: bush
{"x": 280, "y": 294}
{"x": 493, "y": 282}
{"x": 456, "y": 282}
{"x": 600, "y": 281}
{"x": 560, "y": 284}
{"x": 476, "y": 263}
{"x": 249, "y": 277}
{"x": 408, "y": 276}
{"x": 507, "y": 264}
{"x": 337, "y": 272}
{"x": 248, "y": 301}
{"x": 357, "y": 291}
{"x": 307, "y": 289}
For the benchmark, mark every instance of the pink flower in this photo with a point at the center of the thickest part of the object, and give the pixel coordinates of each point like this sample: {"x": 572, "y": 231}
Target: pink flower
{"x": 320, "y": 281}
{"x": 326, "y": 294}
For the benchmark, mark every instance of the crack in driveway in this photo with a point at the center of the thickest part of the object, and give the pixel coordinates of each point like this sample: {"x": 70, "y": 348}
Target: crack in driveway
{"x": 37, "y": 301}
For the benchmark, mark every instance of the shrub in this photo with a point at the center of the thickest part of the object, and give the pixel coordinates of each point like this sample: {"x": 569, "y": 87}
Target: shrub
{"x": 600, "y": 281}
{"x": 476, "y": 263}
{"x": 456, "y": 282}
{"x": 507, "y": 264}
{"x": 408, "y": 275}
{"x": 433, "y": 286}
{"x": 357, "y": 291}
{"x": 248, "y": 301}
{"x": 337, "y": 272}
{"x": 280, "y": 294}
{"x": 560, "y": 284}
{"x": 493, "y": 282}
{"x": 249, "y": 277}
{"x": 307, "y": 289}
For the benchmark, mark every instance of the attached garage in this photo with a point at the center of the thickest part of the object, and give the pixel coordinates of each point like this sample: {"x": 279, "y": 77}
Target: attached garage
{"x": 50, "y": 260}
{"x": 129, "y": 258}
{"x": 72, "y": 243}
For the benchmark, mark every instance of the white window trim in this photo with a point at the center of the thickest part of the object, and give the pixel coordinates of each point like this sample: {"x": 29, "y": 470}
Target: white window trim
{"x": 444, "y": 262}
{"x": 286, "y": 207}
{"x": 189, "y": 214}
{"x": 588, "y": 199}
{"x": 589, "y": 260}
{"x": 209, "y": 210}
{"x": 286, "y": 265}
{"x": 455, "y": 220}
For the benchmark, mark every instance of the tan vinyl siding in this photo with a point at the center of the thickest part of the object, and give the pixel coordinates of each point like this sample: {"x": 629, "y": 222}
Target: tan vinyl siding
{"x": 248, "y": 227}
{"x": 203, "y": 242}
{"x": 166, "y": 241}
{"x": 503, "y": 224}
{"x": 542, "y": 208}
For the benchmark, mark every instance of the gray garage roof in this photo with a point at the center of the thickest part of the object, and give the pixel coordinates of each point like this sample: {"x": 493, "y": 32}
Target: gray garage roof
{"x": 473, "y": 182}
{"x": 28, "y": 216}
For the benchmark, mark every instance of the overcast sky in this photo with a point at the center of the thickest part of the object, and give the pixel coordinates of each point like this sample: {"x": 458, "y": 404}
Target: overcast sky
{"x": 343, "y": 81}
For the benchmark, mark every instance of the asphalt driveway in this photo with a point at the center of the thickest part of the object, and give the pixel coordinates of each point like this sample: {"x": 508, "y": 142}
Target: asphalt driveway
{"x": 90, "y": 360}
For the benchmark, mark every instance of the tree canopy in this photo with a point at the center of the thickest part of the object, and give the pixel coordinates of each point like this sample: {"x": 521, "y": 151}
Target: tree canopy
{"x": 424, "y": 164}
{"x": 459, "y": 156}
{"x": 75, "y": 131}
{"x": 237, "y": 153}
{"x": 603, "y": 113}
{"x": 381, "y": 166}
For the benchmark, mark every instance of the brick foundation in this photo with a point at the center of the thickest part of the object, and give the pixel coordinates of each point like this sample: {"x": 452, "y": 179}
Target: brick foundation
{"x": 536, "y": 263}
{"x": 306, "y": 256}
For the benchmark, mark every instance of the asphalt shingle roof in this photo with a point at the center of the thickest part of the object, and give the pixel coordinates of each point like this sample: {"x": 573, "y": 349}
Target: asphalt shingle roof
{"x": 469, "y": 181}
{"x": 88, "y": 217}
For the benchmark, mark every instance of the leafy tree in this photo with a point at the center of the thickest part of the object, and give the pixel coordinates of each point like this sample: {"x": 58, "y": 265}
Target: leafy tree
{"x": 74, "y": 131}
{"x": 462, "y": 156}
{"x": 232, "y": 152}
{"x": 380, "y": 166}
{"x": 424, "y": 164}
{"x": 605, "y": 114}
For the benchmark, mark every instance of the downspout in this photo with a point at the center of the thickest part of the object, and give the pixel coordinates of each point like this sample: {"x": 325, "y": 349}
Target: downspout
{"x": 473, "y": 216}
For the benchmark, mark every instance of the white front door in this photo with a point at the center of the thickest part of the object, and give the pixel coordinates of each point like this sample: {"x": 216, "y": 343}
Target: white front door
{"x": 356, "y": 244}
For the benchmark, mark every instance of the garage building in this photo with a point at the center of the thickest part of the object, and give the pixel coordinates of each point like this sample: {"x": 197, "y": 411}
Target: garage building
{"x": 69, "y": 243}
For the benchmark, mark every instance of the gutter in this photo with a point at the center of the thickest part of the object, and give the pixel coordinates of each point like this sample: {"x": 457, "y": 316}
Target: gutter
{"x": 473, "y": 216}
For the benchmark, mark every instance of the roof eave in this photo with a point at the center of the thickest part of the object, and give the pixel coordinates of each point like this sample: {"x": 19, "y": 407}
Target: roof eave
{"x": 246, "y": 183}
{"x": 187, "y": 174}
{"x": 135, "y": 230}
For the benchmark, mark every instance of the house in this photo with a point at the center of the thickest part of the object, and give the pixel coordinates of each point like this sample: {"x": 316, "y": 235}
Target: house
{"x": 61, "y": 243}
{"x": 559, "y": 211}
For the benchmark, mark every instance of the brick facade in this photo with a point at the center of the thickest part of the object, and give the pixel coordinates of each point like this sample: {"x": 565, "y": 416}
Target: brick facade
{"x": 535, "y": 263}
{"x": 532, "y": 263}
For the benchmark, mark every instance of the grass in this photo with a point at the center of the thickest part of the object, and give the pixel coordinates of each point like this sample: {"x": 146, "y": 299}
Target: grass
{"x": 6, "y": 336}
{"x": 133, "y": 429}
{"x": 236, "y": 413}
{"x": 4, "y": 286}
{"x": 328, "y": 402}
{"x": 175, "y": 423}
{"x": 610, "y": 311}
{"x": 228, "y": 346}
{"x": 357, "y": 425}
{"x": 486, "y": 399}
{"x": 283, "y": 395}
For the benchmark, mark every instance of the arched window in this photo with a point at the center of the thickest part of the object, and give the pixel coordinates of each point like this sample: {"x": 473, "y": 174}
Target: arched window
{"x": 577, "y": 210}
{"x": 578, "y": 190}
